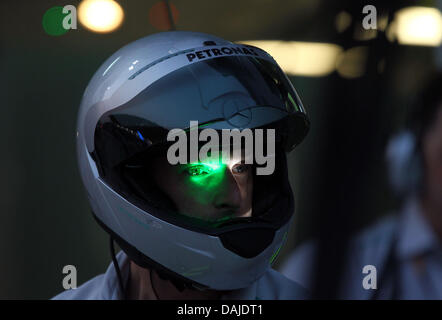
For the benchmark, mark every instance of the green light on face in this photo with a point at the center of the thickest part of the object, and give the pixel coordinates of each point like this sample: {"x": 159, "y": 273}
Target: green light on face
{"x": 204, "y": 179}
{"x": 203, "y": 182}
{"x": 203, "y": 169}
{"x": 199, "y": 169}
{"x": 199, "y": 172}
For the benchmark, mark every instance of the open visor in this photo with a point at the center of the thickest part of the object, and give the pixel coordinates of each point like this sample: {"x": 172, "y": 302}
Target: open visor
{"x": 234, "y": 92}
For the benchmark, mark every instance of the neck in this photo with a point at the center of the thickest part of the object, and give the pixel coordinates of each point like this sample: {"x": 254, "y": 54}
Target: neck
{"x": 143, "y": 285}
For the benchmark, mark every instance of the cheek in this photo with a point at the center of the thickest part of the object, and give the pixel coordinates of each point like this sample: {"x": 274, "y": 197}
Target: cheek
{"x": 177, "y": 190}
{"x": 204, "y": 188}
{"x": 190, "y": 193}
{"x": 245, "y": 185}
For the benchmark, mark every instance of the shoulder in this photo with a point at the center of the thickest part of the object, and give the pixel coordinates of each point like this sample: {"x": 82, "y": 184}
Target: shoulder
{"x": 381, "y": 230}
{"x": 275, "y": 286}
{"x": 367, "y": 247}
{"x": 298, "y": 265}
{"x": 90, "y": 290}
{"x": 374, "y": 242}
{"x": 370, "y": 242}
{"x": 102, "y": 287}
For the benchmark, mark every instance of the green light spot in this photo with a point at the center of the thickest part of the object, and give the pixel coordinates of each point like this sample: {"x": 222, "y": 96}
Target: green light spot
{"x": 275, "y": 254}
{"x": 53, "y": 21}
{"x": 201, "y": 171}
{"x": 294, "y": 105}
{"x": 208, "y": 175}
{"x": 195, "y": 271}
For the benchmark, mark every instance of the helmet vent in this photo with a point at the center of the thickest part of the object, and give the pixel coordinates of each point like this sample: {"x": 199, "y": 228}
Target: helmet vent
{"x": 209, "y": 43}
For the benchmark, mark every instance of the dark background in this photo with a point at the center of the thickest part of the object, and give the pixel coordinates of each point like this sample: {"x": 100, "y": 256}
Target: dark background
{"x": 338, "y": 172}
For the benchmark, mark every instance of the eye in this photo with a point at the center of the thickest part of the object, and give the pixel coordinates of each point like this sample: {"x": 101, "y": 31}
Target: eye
{"x": 198, "y": 170}
{"x": 240, "y": 168}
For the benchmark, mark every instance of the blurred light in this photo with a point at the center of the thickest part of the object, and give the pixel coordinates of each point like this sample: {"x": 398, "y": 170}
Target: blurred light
{"x": 417, "y": 26}
{"x": 351, "y": 63}
{"x": 362, "y": 34}
{"x": 342, "y": 21}
{"x": 159, "y": 16}
{"x": 383, "y": 22}
{"x": 312, "y": 59}
{"x": 390, "y": 33}
{"x": 100, "y": 15}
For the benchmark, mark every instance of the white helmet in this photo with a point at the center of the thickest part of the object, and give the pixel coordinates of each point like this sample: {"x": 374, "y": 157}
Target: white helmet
{"x": 161, "y": 82}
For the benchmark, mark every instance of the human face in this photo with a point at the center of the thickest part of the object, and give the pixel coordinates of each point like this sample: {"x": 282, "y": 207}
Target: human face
{"x": 432, "y": 151}
{"x": 210, "y": 190}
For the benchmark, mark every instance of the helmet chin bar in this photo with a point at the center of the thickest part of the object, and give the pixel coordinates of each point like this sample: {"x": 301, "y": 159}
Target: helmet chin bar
{"x": 143, "y": 261}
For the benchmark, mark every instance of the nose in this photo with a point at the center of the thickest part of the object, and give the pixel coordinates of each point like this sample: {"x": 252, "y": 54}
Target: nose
{"x": 228, "y": 197}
